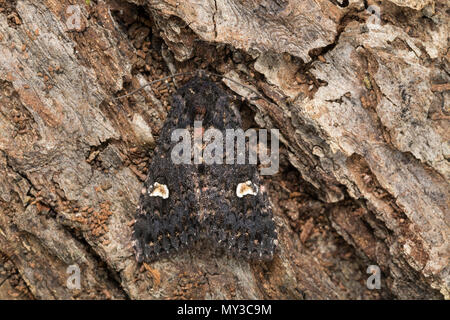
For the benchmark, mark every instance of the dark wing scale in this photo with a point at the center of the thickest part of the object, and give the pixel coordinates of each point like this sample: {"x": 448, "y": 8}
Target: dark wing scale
{"x": 258, "y": 237}
{"x": 166, "y": 225}
{"x": 243, "y": 225}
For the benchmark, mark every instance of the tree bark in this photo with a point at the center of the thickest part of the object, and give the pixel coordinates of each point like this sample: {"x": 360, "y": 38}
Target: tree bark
{"x": 360, "y": 96}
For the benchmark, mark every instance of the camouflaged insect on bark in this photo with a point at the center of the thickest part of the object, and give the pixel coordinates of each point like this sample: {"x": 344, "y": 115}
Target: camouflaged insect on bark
{"x": 201, "y": 203}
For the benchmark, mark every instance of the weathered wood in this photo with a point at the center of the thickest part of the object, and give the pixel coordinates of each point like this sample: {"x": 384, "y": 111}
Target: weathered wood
{"x": 362, "y": 109}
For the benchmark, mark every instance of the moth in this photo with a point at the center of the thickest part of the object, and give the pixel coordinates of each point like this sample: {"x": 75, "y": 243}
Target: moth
{"x": 182, "y": 203}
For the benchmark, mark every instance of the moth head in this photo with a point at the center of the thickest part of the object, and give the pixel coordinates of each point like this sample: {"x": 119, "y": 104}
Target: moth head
{"x": 158, "y": 190}
{"x": 246, "y": 188}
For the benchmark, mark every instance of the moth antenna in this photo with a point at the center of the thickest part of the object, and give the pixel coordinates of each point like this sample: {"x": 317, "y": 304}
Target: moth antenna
{"x": 4, "y": 280}
{"x": 200, "y": 72}
{"x": 155, "y": 81}
{"x": 239, "y": 84}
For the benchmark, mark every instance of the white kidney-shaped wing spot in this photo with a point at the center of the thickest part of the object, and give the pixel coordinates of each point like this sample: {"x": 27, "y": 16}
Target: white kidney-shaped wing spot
{"x": 245, "y": 188}
{"x": 159, "y": 190}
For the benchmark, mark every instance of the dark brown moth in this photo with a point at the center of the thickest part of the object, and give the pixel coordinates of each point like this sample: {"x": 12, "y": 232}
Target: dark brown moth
{"x": 181, "y": 204}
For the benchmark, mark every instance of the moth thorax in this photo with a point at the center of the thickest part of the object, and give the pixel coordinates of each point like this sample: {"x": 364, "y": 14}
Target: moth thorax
{"x": 159, "y": 190}
{"x": 246, "y": 188}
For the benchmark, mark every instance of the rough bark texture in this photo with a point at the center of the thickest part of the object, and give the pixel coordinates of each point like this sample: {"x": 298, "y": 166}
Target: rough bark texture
{"x": 362, "y": 109}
